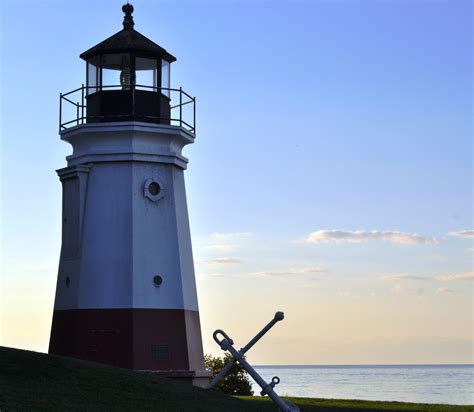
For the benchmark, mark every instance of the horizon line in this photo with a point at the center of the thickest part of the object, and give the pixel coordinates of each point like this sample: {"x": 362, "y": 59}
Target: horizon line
{"x": 363, "y": 365}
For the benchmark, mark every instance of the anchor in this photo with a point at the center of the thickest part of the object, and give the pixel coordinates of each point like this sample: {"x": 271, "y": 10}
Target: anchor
{"x": 226, "y": 344}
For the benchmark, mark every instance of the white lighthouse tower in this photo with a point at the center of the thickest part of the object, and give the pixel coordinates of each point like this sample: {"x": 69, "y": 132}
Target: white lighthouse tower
{"x": 126, "y": 291}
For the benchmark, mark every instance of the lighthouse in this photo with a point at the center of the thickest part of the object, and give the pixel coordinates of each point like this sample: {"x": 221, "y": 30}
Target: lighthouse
{"x": 126, "y": 290}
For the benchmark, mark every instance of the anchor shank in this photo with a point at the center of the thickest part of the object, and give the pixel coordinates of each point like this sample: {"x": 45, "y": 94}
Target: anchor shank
{"x": 254, "y": 374}
{"x": 221, "y": 374}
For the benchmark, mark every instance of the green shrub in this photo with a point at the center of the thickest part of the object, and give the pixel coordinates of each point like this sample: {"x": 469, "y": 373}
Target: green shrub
{"x": 236, "y": 382}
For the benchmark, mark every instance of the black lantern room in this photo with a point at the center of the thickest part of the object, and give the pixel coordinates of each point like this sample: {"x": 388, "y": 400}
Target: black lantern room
{"x": 128, "y": 77}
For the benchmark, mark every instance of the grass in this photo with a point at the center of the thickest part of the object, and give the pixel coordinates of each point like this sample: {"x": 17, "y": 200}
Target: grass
{"x": 31, "y": 381}
{"x": 353, "y": 405}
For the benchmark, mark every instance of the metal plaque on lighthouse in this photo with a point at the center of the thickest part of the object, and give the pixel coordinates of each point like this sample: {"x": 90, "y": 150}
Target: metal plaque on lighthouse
{"x": 126, "y": 290}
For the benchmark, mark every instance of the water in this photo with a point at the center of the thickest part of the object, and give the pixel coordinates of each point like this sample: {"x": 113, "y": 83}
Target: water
{"x": 448, "y": 384}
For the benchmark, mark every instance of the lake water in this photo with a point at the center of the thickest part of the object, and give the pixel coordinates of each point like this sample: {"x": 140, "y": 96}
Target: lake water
{"x": 448, "y": 384}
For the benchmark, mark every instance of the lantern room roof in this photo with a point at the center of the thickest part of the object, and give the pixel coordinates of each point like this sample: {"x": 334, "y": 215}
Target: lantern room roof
{"x": 128, "y": 40}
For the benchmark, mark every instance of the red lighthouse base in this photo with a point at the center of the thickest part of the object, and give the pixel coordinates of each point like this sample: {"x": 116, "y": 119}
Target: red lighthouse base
{"x": 171, "y": 347}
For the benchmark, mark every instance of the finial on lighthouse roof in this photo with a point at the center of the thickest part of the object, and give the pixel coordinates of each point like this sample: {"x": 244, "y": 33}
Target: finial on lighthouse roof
{"x": 128, "y": 18}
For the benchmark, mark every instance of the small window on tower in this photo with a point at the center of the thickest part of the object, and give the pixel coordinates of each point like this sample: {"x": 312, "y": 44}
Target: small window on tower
{"x": 157, "y": 280}
{"x": 154, "y": 188}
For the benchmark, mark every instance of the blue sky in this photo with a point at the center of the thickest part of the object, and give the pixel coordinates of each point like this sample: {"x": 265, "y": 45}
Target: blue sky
{"x": 313, "y": 117}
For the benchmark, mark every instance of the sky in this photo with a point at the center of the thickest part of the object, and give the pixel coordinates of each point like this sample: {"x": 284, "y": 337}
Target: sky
{"x": 331, "y": 177}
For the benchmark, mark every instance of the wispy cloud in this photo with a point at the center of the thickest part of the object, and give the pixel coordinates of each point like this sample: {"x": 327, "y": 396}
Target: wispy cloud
{"x": 228, "y": 242}
{"x": 456, "y": 277}
{"x": 443, "y": 291}
{"x": 218, "y": 261}
{"x": 403, "y": 289}
{"x": 293, "y": 272}
{"x": 444, "y": 278}
{"x": 469, "y": 234}
{"x": 404, "y": 276}
{"x": 359, "y": 236}
{"x": 209, "y": 274}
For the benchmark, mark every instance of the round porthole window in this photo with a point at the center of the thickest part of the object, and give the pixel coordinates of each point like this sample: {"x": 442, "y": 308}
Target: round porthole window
{"x": 68, "y": 281}
{"x": 154, "y": 189}
{"x": 157, "y": 280}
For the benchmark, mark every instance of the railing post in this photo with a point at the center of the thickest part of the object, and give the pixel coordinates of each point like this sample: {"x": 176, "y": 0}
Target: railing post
{"x": 133, "y": 102}
{"x": 180, "y": 107}
{"x": 82, "y": 104}
{"x": 77, "y": 113}
{"x": 194, "y": 115}
{"x": 60, "y": 109}
{"x": 158, "y": 100}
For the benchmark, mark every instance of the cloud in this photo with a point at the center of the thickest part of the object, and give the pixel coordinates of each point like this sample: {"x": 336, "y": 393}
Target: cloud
{"x": 293, "y": 272}
{"x": 228, "y": 242}
{"x": 211, "y": 275}
{"x": 444, "y": 278}
{"x": 456, "y": 277}
{"x": 223, "y": 260}
{"x": 401, "y": 289}
{"x": 443, "y": 291}
{"x": 468, "y": 234}
{"x": 404, "y": 276}
{"x": 359, "y": 236}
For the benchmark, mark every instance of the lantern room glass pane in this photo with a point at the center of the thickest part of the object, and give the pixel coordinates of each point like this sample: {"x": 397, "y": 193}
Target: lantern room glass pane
{"x": 146, "y": 72}
{"x": 92, "y": 76}
{"x": 165, "y": 77}
{"x": 117, "y": 71}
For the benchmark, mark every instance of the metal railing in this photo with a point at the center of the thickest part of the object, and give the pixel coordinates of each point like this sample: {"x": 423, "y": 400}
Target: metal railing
{"x": 73, "y": 107}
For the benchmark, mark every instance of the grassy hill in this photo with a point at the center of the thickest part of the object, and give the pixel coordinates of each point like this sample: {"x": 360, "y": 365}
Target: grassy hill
{"x": 35, "y": 381}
